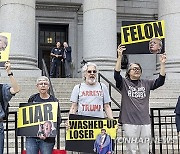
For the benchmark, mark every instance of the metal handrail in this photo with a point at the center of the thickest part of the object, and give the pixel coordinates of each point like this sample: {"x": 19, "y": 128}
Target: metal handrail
{"x": 110, "y": 85}
{"x": 45, "y": 73}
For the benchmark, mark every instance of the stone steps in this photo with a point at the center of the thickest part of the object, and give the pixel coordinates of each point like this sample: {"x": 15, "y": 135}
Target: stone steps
{"x": 165, "y": 96}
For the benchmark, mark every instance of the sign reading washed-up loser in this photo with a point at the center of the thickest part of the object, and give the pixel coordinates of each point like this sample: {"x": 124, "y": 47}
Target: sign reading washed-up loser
{"x": 39, "y": 119}
{"x": 85, "y": 132}
{"x": 136, "y": 35}
{"x": 5, "y": 39}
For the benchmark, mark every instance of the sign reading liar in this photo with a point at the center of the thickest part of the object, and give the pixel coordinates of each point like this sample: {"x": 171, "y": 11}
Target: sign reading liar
{"x": 142, "y": 32}
{"x": 32, "y": 119}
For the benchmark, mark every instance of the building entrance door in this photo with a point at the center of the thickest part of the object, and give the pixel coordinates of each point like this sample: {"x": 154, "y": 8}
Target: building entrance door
{"x": 48, "y": 36}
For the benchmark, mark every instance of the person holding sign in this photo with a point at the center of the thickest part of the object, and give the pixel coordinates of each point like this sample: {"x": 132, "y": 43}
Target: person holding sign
{"x": 43, "y": 143}
{"x": 135, "y": 102}
{"x": 90, "y": 97}
{"x": 155, "y": 45}
{"x": 6, "y": 94}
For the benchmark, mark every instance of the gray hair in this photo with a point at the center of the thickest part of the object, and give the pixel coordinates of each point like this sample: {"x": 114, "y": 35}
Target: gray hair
{"x": 160, "y": 42}
{"x": 42, "y": 78}
{"x": 5, "y": 41}
{"x": 85, "y": 67}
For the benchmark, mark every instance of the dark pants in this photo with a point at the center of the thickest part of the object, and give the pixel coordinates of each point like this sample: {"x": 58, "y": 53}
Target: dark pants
{"x": 55, "y": 66}
{"x": 33, "y": 146}
{"x": 1, "y": 137}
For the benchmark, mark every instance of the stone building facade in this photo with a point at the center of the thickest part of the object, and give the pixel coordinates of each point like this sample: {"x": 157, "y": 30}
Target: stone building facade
{"x": 91, "y": 27}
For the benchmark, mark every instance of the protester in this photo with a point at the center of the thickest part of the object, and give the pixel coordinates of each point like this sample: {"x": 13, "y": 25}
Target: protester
{"x": 80, "y": 99}
{"x": 90, "y": 94}
{"x": 135, "y": 102}
{"x": 177, "y": 111}
{"x": 6, "y": 94}
{"x": 42, "y": 143}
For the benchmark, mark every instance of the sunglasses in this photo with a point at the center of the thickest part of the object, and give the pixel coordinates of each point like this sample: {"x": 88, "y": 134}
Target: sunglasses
{"x": 92, "y": 71}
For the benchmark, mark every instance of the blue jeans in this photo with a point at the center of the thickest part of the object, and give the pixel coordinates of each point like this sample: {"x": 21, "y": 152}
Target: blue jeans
{"x": 33, "y": 145}
{"x": 1, "y": 137}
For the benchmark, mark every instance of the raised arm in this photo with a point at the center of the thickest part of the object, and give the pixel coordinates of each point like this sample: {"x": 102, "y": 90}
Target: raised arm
{"x": 117, "y": 70}
{"x": 161, "y": 79}
{"x": 14, "y": 85}
{"x": 119, "y": 58}
{"x": 162, "y": 60}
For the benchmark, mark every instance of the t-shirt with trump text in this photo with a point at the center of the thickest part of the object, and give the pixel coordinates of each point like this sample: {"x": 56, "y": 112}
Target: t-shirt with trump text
{"x": 90, "y": 99}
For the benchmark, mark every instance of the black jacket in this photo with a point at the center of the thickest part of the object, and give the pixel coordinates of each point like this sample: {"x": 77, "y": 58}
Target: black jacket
{"x": 177, "y": 111}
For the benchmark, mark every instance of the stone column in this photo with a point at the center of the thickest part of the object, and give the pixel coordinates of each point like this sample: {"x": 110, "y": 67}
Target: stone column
{"x": 169, "y": 11}
{"x": 100, "y": 34}
{"x": 18, "y": 18}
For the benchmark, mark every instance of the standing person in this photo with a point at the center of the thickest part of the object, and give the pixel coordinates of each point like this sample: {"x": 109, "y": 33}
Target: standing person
{"x": 67, "y": 59}
{"x": 56, "y": 59}
{"x": 90, "y": 94}
{"x": 6, "y": 94}
{"x": 177, "y": 117}
{"x": 135, "y": 102}
{"x": 42, "y": 143}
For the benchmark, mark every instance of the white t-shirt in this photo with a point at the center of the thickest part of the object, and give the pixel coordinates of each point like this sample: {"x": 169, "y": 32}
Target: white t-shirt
{"x": 90, "y": 99}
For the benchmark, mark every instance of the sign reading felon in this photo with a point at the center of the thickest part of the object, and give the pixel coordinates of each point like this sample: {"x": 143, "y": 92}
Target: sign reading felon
{"x": 142, "y": 32}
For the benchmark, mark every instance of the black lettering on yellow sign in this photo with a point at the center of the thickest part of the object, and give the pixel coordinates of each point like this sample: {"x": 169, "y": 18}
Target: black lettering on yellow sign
{"x": 0, "y": 55}
{"x": 40, "y": 114}
{"x": 76, "y": 134}
{"x": 142, "y": 32}
{"x": 111, "y": 123}
{"x": 94, "y": 124}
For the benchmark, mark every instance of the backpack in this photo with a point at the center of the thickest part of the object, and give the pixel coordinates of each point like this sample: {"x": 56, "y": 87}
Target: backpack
{"x": 5, "y": 110}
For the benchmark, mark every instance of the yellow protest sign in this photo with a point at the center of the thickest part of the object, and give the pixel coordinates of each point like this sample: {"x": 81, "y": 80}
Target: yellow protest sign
{"x": 89, "y": 129}
{"x": 142, "y": 32}
{"x": 33, "y": 115}
{"x": 5, "y": 39}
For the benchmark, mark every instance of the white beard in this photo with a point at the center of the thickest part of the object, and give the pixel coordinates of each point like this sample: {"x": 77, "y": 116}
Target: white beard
{"x": 91, "y": 81}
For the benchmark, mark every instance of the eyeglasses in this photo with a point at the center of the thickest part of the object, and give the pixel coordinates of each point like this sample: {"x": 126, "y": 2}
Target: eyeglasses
{"x": 43, "y": 84}
{"x": 92, "y": 71}
{"x": 135, "y": 69}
